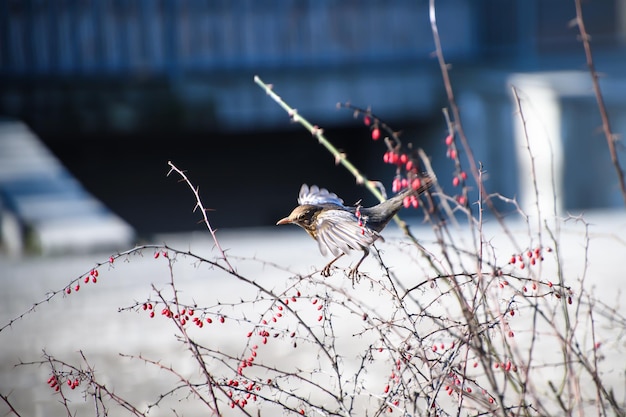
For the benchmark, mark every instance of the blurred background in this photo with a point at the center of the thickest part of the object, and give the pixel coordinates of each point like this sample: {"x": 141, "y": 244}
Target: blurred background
{"x": 97, "y": 95}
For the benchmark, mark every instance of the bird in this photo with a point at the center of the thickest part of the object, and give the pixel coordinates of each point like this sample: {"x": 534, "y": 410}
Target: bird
{"x": 339, "y": 229}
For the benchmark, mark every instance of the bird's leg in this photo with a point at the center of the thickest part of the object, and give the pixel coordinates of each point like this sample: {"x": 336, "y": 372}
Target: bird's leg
{"x": 354, "y": 272}
{"x": 326, "y": 270}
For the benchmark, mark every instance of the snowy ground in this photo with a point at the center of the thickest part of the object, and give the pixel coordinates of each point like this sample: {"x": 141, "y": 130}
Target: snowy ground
{"x": 89, "y": 320}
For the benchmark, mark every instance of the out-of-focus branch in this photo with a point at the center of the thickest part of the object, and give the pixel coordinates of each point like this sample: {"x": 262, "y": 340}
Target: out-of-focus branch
{"x": 606, "y": 126}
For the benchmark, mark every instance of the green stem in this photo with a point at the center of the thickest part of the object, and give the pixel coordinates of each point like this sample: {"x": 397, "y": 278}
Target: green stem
{"x": 316, "y": 132}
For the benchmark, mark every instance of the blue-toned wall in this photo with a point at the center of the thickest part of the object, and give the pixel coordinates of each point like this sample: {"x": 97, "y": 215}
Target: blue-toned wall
{"x": 92, "y": 76}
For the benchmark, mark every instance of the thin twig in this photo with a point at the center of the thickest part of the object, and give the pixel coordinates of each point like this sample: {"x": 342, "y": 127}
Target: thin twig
{"x": 606, "y": 126}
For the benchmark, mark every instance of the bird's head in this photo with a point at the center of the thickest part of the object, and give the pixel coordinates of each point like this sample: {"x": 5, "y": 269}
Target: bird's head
{"x": 303, "y": 216}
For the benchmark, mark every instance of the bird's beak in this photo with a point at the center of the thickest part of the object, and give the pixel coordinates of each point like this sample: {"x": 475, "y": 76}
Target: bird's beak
{"x": 286, "y": 220}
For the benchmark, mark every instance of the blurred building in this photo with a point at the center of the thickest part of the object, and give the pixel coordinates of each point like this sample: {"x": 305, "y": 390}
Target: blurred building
{"x": 116, "y": 88}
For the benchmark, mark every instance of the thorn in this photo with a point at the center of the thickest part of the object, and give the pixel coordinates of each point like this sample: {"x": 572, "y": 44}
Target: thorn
{"x": 317, "y": 131}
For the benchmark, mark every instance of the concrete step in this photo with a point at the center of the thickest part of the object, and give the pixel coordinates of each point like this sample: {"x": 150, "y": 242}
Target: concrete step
{"x": 43, "y": 208}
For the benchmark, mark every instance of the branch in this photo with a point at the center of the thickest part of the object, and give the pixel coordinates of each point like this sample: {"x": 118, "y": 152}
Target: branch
{"x": 606, "y": 126}
{"x": 205, "y": 217}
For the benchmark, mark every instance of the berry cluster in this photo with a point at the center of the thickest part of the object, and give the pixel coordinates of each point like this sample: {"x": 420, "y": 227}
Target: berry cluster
{"x": 405, "y": 160}
{"x": 240, "y": 391}
{"x": 54, "y": 382}
{"x": 530, "y": 258}
{"x": 460, "y": 176}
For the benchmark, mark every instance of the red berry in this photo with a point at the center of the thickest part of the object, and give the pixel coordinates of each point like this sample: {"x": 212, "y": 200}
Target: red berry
{"x": 77, "y": 287}
{"x": 68, "y": 290}
{"x": 414, "y": 202}
{"x": 449, "y": 140}
{"x": 455, "y": 181}
{"x": 403, "y": 159}
{"x": 151, "y": 314}
{"x": 111, "y": 260}
{"x": 395, "y": 185}
{"x": 452, "y": 154}
{"x": 406, "y": 202}
{"x": 209, "y": 320}
{"x": 367, "y": 120}
{"x": 464, "y": 175}
{"x": 409, "y": 165}
{"x": 156, "y": 254}
{"x": 375, "y": 133}
{"x": 222, "y": 319}
{"x": 416, "y": 183}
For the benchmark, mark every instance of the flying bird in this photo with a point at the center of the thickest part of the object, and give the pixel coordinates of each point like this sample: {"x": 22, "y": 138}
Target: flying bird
{"x": 339, "y": 229}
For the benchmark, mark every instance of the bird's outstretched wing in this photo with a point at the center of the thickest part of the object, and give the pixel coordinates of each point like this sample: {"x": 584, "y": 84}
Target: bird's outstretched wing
{"x": 338, "y": 231}
{"x": 315, "y": 195}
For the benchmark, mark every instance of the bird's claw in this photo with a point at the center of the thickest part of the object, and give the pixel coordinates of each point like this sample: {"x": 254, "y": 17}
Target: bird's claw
{"x": 354, "y": 275}
{"x": 326, "y": 271}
